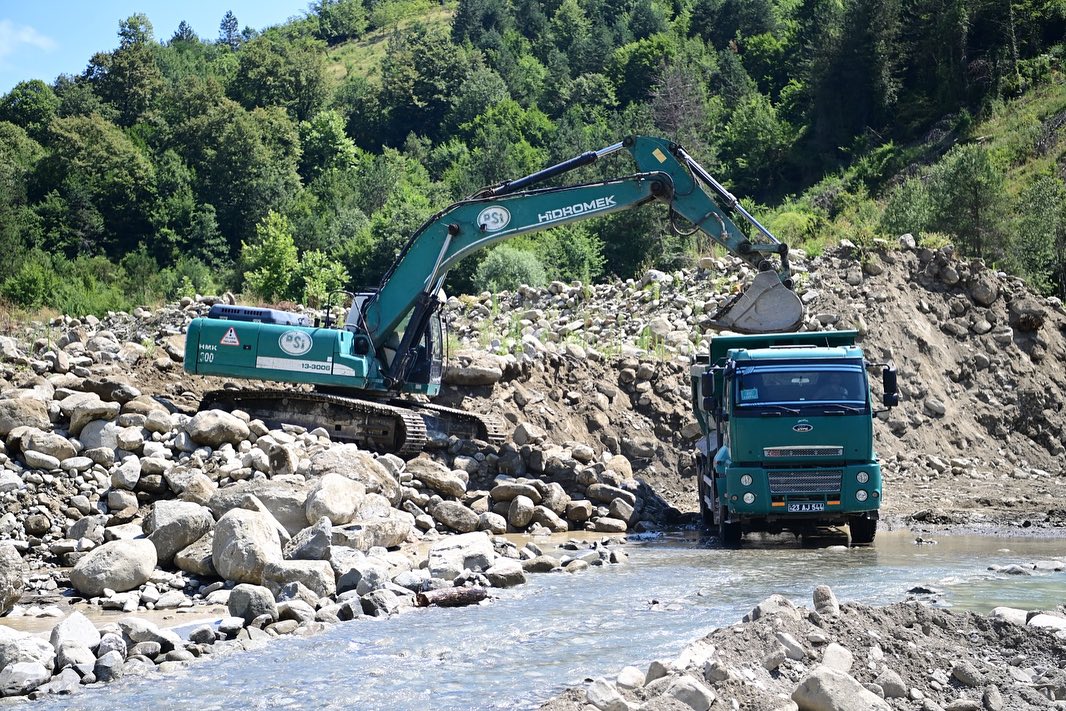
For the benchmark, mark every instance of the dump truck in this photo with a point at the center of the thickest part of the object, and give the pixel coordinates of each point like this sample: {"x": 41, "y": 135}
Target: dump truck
{"x": 363, "y": 371}
{"x": 786, "y": 440}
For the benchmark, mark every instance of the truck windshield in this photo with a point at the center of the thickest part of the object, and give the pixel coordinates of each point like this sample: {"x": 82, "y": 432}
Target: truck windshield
{"x": 797, "y": 386}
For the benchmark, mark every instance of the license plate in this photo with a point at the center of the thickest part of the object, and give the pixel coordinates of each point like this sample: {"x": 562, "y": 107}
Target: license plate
{"x": 806, "y": 508}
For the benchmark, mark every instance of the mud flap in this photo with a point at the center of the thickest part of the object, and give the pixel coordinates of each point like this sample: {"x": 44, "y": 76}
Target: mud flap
{"x": 767, "y": 306}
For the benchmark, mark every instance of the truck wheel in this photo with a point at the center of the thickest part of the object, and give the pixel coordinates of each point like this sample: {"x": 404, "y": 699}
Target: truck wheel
{"x": 729, "y": 533}
{"x": 863, "y": 530}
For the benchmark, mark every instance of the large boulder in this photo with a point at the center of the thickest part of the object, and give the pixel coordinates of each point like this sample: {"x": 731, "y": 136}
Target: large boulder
{"x": 335, "y": 497}
{"x": 437, "y": 477}
{"x": 1026, "y": 314}
{"x": 175, "y": 525}
{"x": 250, "y": 601}
{"x": 12, "y": 572}
{"x": 196, "y": 558}
{"x": 316, "y": 575}
{"x": 90, "y": 408}
{"x": 312, "y": 543}
{"x": 826, "y": 689}
{"x": 136, "y": 630}
{"x": 384, "y": 532}
{"x": 351, "y": 462}
{"x": 18, "y": 647}
{"x": 245, "y": 543}
{"x": 285, "y": 498}
{"x": 475, "y": 369}
{"x": 75, "y": 629}
{"x": 22, "y": 678}
{"x": 984, "y": 289}
{"x": 214, "y": 428}
{"x": 35, "y": 440}
{"x": 100, "y": 434}
{"x": 119, "y": 565}
{"x": 455, "y": 516}
{"x": 23, "y": 411}
{"x": 452, "y": 555}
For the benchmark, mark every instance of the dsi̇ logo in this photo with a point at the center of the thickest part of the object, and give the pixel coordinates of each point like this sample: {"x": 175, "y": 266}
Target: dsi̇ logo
{"x": 295, "y": 343}
{"x": 494, "y": 218}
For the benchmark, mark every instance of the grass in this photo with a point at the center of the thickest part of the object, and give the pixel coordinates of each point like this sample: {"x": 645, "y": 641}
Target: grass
{"x": 363, "y": 57}
{"x": 1014, "y": 128}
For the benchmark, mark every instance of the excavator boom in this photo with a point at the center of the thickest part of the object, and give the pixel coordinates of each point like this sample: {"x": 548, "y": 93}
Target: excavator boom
{"x": 391, "y": 341}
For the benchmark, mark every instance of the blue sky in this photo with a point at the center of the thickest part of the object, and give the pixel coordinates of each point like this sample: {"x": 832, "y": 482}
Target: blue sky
{"x": 41, "y": 39}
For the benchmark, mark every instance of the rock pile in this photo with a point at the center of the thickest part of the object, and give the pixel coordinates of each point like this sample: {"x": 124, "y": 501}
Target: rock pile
{"x": 156, "y": 510}
{"x": 850, "y": 657}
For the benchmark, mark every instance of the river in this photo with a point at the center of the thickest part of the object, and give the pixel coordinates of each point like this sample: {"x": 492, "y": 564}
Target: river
{"x": 531, "y": 642}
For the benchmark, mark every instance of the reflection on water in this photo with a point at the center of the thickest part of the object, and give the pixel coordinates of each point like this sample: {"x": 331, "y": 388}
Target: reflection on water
{"x": 532, "y": 641}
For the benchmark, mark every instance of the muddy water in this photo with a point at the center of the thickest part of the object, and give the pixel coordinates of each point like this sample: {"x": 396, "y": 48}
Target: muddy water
{"x": 532, "y": 641}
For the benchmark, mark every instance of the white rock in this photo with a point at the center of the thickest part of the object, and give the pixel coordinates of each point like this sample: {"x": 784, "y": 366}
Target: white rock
{"x": 245, "y": 542}
{"x": 335, "y": 497}
{"x": 605, "y": 696}
{"x": 837, "y": 658}
{"x": 75, "y": 629}
{"x": 452, "y": 555}
{"x": 827, "y": 689}
{"x": 117, "y": 565}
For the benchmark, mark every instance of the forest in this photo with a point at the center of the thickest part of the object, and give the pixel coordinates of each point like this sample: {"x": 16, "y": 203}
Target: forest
{"x": 287, "y": 162}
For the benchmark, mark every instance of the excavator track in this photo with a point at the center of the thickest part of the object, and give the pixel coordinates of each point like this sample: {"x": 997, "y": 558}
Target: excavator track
{"x": 374, "y": 425}
{"x": 462, "y": 424}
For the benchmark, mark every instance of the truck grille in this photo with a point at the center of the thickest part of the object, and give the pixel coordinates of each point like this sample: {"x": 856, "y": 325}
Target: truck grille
{"x": 825, "y": 450}
{"x": 805, "y": 482}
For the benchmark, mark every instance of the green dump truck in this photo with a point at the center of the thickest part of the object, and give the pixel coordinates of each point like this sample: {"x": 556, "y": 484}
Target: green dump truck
{"x": 787, "y": 434}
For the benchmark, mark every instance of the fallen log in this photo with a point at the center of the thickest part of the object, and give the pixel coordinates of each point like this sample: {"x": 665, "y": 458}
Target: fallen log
{"x": 451, "y": 597}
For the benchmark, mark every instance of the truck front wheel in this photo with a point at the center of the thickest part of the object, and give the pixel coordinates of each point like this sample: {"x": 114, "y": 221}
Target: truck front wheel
{"x": 729, "y": 532}
{"x": 863, "y": 530}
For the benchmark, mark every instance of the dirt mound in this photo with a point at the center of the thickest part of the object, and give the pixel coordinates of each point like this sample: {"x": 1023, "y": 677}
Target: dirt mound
{"x": 980, "y": 423}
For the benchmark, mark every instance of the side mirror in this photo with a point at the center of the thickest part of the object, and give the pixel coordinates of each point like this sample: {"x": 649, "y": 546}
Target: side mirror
{"x": 888, "y": 380}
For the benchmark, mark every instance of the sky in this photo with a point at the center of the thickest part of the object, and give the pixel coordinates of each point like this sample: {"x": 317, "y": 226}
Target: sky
{"x": 41, "y": 39}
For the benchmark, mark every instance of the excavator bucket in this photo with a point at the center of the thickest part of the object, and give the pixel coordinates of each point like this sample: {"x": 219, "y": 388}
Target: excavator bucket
{"x": 767, "y": 306}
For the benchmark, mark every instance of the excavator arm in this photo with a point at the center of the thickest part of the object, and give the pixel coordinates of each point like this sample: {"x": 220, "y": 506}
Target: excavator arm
{"x": 667, "y": 174}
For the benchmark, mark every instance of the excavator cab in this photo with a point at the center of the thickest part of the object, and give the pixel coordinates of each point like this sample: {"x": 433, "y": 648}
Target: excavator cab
{"x": 427, "y": 363}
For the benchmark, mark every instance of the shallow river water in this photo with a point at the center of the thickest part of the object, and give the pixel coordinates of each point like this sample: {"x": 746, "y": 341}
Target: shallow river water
{"x": 533, "y": 641}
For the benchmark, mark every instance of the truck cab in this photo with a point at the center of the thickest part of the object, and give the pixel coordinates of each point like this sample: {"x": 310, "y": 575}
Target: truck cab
{"x": 787, "y": 434}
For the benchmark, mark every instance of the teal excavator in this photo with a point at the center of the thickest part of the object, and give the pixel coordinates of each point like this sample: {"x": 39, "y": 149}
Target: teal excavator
{"x": 391, "y": 343}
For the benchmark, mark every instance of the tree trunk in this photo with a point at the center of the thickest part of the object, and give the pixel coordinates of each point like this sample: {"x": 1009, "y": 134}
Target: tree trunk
{"x": 451, "y": 597}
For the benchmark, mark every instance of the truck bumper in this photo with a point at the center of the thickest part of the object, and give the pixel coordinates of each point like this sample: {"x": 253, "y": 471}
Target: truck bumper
{"x": 827, "y": 495}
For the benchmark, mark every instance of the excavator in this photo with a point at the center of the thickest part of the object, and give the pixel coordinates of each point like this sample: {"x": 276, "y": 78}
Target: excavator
{"x": 391, "y": 342}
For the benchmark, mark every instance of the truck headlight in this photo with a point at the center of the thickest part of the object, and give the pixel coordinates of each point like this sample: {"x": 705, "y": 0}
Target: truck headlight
{"x": 746, "y": 481}
{"x": 862, "y": 477}
{"x": 861, "y": 495}
{"x": 749, "y": 498}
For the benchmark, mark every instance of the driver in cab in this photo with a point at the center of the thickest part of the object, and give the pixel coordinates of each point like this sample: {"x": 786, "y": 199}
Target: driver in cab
{"x": 832, "y": 386}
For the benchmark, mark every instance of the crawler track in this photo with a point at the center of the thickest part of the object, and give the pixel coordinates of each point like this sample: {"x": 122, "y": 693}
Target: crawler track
{"x": 374, "y": 425}
{"x": 463, "y": 424}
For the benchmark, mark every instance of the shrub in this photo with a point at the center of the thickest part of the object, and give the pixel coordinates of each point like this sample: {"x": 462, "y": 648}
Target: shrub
{"x": 34, "y": 282}
{"x": 507, "y": 268}
{"x": 909, "y": 209}
{"x": 320, "y": 275}
{"x": 271, "y": 264}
